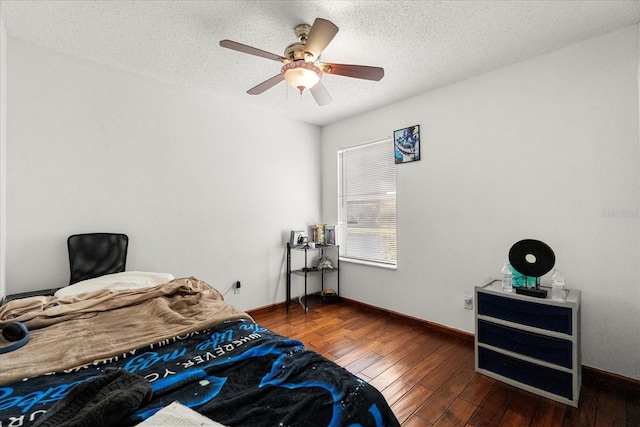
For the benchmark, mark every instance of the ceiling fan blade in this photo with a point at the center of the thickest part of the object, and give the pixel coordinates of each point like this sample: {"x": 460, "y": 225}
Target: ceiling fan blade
{"x": 321, "y": 94}
{"x": 320, "y": 35}
{"x": 357, "y": 71}
{"x": 265, "y": 85}
{"x": 252, "y": 50}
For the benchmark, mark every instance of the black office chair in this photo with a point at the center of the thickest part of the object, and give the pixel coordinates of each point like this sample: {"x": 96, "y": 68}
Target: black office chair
{"x": 96, "y": 254}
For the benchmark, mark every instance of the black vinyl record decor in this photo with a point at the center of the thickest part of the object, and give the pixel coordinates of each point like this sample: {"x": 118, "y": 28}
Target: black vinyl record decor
{"x": 532, "y": 258}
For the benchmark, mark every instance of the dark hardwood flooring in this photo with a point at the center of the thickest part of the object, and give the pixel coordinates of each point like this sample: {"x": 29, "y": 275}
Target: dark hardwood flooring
{"x": 428, "y": 376}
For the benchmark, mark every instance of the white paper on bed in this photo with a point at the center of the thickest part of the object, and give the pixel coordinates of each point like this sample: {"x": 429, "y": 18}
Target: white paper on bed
{"x": 178, "y": 415}
{"x": 127, "y": 280}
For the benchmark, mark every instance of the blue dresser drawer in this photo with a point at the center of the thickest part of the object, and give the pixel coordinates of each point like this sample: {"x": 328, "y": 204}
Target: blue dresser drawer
{"x": 541, "y": 377}
{"x": 549, "y": 349}
{"x": 544, "y": 316}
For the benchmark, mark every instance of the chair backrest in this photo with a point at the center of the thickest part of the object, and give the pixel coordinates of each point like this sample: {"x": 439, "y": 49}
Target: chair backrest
{"x": 96, "y": 254}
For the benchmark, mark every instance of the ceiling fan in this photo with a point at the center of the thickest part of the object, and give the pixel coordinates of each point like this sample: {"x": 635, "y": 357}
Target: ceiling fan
{"x": 302, "y": 68}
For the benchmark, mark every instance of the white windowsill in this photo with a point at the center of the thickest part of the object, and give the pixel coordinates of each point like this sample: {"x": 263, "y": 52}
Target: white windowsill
{"x": 370, "y": 263}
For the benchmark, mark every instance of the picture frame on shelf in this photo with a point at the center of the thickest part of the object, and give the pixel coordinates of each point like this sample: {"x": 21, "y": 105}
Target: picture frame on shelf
{"x": 330, "y": 234}
{"x": 318, "y": 233}
{"x": 297, "y": 237}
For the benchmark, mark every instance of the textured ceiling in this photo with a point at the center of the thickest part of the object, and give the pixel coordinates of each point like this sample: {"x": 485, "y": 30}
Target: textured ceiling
{"x": 422, "y": 45}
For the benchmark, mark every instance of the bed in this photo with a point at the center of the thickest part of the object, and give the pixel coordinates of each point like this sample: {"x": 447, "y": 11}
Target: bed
{"x": 118, "y": 354}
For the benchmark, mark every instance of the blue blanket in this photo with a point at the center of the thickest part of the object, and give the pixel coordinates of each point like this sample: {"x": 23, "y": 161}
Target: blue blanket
{"x": 237, "y": 373}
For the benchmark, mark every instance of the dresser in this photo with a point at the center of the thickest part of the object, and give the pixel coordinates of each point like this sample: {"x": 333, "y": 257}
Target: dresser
{"x": 530, "y": 343}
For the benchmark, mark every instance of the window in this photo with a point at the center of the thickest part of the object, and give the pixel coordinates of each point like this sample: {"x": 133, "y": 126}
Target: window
{"x": 367, "y": 203}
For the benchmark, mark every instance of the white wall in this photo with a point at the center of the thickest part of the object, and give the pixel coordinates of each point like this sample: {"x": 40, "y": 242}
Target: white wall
{"x": 3, "y": 155}
{"x": 545, "y": 149}
{"x": 201, "y": 187}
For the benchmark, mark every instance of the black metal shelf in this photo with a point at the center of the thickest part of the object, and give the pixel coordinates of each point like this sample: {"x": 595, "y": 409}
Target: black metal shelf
{"x": 307, "y": 271}
{"x": 313, "y": 270}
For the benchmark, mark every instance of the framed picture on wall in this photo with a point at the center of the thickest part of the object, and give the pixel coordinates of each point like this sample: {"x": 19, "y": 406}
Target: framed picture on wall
{"x": 406, "y": 144}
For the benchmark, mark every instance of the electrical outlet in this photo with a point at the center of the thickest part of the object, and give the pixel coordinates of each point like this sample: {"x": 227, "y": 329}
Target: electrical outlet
{"x": 236, "y": 287}
{"x": 468, "y": 302}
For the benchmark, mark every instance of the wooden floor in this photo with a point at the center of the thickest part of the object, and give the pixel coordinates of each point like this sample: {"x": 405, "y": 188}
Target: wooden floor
{"x": 428, "y": 376}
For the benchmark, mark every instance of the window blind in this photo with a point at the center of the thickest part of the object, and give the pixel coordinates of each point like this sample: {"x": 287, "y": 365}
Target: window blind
{"x": 367, "y": 202}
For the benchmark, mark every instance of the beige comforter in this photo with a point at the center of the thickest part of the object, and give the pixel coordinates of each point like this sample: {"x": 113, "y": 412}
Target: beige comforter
{"x": 70, "y": 332}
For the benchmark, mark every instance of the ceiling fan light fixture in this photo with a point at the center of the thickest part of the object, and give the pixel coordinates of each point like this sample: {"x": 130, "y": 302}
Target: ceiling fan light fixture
{"x": 301, "y": 75}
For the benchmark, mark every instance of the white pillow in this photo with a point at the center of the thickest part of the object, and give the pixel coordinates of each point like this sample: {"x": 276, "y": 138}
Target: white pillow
{"x": 127, "y": 280}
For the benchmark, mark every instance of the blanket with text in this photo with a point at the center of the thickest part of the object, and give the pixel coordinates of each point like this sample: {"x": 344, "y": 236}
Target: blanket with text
{"x": 236, "y": 373}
